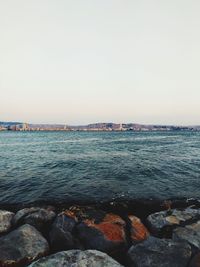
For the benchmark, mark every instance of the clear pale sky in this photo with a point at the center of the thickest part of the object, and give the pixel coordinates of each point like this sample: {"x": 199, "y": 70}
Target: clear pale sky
{"x": 83, "y": 61}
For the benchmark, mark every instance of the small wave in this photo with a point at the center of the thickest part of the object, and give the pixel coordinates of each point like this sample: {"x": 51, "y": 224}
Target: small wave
{"x": 99, "y": 165}
{"x": 60, "y": 164}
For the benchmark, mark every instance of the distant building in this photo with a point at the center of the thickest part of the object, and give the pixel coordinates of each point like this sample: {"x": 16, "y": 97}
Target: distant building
{"x": 2, "y": 128}
{"x": 25, "y": 127}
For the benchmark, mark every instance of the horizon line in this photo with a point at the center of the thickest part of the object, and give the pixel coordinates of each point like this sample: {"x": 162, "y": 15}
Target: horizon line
{"x": 101, "y": 122}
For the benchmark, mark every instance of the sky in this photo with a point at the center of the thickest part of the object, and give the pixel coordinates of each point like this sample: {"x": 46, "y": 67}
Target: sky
{"x": 78, "y": 62}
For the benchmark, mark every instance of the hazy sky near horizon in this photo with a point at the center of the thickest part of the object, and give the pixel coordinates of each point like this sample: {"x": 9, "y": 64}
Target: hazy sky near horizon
{"x": 85, "y": 61}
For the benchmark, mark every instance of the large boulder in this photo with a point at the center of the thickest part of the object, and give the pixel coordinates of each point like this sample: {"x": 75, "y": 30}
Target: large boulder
{"x": 22, "y": 246}
{"x": 189, "y": 233}
{"x": 77, "y": 258}
{"x": 40, "y": 218}
{"x": 138, "y": 231}
{"x": 162, "y": 220}
{"x": 89, "y": 228}
{"x": 106, "y": 234}
{"x": 62, "y": 232}
{"x": 156, "y": 252}
{"x": 5, "y": 220}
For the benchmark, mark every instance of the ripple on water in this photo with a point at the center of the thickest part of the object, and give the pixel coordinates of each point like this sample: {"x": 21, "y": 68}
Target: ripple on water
{"x": 98, "y": 166}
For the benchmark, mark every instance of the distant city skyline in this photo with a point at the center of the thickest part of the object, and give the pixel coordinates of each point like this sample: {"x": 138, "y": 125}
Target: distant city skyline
{"x": 80, "y": 62}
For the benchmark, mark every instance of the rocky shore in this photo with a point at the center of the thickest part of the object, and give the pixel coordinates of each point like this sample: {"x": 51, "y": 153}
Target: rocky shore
{"x": 139, "y": 233}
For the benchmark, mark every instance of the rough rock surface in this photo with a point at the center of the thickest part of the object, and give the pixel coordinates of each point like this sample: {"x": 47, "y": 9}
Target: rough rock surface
{"x": 77, "y": 258}
{"x": 160, "y": 220}
{"x": 5, "y": 220}
{"x": 22, "y": 246}
{"x": 88, "y": 228}
{"x": 38, "y": 217}
{"x": 106, "y": 234}
{"x": 61, "y": 234}
{"x": 157, "y": 252}
{"x": 138, "y": 231}
{"x": 189, "y": 233}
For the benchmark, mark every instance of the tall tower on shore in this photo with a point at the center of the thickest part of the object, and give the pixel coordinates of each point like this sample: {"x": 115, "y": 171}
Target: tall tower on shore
{"x": 25, "y": 127}
{"x": 120, "y": 127}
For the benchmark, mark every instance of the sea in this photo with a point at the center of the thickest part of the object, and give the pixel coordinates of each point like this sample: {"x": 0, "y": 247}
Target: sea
{"x": 98, "y": 166}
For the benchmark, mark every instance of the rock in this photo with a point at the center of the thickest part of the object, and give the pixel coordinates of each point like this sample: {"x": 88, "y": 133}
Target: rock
{"x": 5, "y": 220}
{"x": 189, "y": 233}
{"x": 106, "y": 234}
{"x": 22, "y": 246}
{"x": 155, "y": 252}
{"x": 21, "y": 214}
{"x": 138, "y": 231}
{"x": 38, "y": 217}
{"x": 195, "y": 262}
{"x": 93, "y": 229}
{"x": 171, "y": 218}
{"x": 62, "y": 232}
{"x": 77, "y": 258}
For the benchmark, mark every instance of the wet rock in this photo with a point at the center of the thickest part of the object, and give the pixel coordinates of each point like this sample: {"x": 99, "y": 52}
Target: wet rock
{"x": 38, "y": 217}
{"x": 5, "y": 220}
{"x": 106, "y": 234}
{"x": 156, "y": 252}
{"x": 62, "y": 236}
{"x": 22, "y": 246}
{"x": 138, "y": 231}
{"x": 189, "y": 233}
{"x": 93, "y": 229}
{"x": 171, "y": 218}
{"x": 195, "y": 262}
{"x": 77, "y": 258}
{"x": 89, "y": 228}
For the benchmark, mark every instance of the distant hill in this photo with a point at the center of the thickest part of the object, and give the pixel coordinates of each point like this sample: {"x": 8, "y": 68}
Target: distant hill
{"x": 10, "y": 123}
{"x": 110, "y": 126}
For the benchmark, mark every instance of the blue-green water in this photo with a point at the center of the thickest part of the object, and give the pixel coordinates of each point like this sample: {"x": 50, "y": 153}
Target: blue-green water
{"x": 67, "y": 166}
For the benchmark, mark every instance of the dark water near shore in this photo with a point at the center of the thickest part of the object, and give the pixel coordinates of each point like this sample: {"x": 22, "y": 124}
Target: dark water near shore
{"x": 67, "y": 166}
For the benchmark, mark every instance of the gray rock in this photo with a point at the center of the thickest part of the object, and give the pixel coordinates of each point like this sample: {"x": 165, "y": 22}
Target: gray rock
{"x": 5, "y": 220}
{"x": 155, "y": 252}
{"x": 159, "y": 220}
{"x": 61, "y": 233}
{"x": 38, "y": 217}
{"x": 189, "y": 233}
{"x": 77, "y": 258}
{"x": 21, "y": 214}
{"x": 22, "y": 246}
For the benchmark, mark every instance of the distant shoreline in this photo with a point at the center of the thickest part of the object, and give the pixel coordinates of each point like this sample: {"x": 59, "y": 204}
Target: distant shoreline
{"x": 95, "y": 127}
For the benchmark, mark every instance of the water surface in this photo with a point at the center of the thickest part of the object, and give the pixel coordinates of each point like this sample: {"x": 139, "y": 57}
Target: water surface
{"x": 67, "y": 166}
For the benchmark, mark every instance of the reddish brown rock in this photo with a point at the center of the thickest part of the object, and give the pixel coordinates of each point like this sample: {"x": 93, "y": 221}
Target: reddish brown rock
{"x": 88, "y": 228}
{"x": 138, "y": 231}
{"x": 99, "y": 230}
{"x": 195, "y": 262}
{"x": 70, "y": 214}
{"x": 112, "y": 227}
